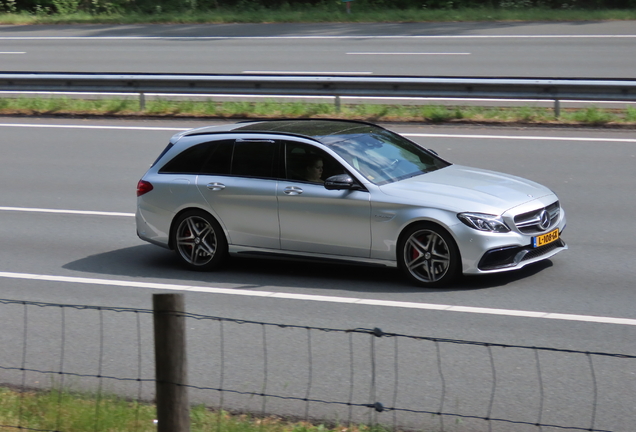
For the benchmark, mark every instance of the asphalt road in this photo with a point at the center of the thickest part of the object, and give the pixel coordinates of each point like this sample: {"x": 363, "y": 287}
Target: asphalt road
{"x": 589, "y": 49}
{"x": 93, "y": 166}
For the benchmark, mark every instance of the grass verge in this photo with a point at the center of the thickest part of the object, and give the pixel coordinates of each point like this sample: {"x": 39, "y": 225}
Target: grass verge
{"x": 76, "y": 412}
{"x": 327, "y": 12}
{"x": 588, "y": 116}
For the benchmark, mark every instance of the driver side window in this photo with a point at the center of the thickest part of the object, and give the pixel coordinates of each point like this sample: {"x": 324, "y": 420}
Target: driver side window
{"x": 307, "y": 163}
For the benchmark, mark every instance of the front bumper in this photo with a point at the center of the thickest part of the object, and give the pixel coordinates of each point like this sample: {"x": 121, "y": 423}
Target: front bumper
{"x": 518, "y": 256}
{"x": 484, "y": 252}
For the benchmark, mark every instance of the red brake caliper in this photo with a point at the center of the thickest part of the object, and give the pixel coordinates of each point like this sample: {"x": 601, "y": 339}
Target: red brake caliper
{"x": 415, "y": 254}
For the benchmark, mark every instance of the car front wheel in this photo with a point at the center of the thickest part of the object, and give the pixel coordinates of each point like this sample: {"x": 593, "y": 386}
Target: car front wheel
{"x": 428, "y": 255}
{"x": 199, "y": 241}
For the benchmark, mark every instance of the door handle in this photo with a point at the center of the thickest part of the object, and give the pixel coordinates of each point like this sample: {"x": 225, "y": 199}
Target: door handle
{"x": 293, "y": 190}
{"x": 216, "y": 186}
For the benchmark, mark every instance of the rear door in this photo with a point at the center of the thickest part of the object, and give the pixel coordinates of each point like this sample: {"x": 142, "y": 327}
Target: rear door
{"x": 239, "y": 183}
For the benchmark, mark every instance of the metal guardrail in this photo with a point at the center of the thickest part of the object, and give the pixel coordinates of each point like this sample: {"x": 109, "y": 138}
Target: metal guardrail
{"x": 332, "y": 85}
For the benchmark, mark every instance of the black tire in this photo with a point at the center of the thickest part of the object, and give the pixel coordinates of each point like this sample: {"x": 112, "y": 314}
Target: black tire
{"x": 428, "y": 255}
{"x": 199, "y": 241}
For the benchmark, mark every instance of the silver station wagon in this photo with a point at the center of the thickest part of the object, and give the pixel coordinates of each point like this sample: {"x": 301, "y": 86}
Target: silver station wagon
{"x": 340, "y": 191}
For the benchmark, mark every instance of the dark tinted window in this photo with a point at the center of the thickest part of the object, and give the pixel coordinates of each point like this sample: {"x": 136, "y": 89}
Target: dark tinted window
{"x": 208, "y": 158}
{"x": 255, "y": 158}
{"x": 168, "y": 147}
{"x": 189, "y": 161}
{"x": 219, "y": 159}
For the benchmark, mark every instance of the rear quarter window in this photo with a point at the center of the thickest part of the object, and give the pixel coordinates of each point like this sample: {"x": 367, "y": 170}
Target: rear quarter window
{"x": 188, "y": 161}
{"x": 163, "y": 153}
{"x": 210, "y": 158}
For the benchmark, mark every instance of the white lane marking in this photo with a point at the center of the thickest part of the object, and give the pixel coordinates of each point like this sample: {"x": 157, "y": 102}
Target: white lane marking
{"x": 305, "y": 73}
{"x": 413, "y": 135}
{"x": 316, "y": 37}
{"x": 62, "y": 211}
{"x": 327, "y": 299}
{"x": 61, "y": 126}
{"x": 526, "y": 138}
{"x": 12, "y": 52}
{"x": 406, "y": 53}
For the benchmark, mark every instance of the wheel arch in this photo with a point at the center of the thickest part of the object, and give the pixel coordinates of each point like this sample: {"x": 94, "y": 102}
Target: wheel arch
{"x": 432, "y": 223}
{"x": 425, "y": 221}
{"x": 173, "y": 225}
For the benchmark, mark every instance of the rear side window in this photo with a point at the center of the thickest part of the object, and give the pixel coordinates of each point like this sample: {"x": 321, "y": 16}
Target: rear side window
{"x": 255, "y": 158}
{"x": 245, "y": 158}
{"x": 219, "y": 159}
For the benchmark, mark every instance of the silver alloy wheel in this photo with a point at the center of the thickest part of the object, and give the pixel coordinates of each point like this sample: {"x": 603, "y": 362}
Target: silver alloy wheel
{"x": 427, "y": 256}
{"x": 196, "y": 241}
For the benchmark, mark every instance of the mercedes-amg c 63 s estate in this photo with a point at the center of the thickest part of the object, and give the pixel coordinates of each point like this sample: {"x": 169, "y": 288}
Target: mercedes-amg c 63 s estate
{"x": 340, "y": 191}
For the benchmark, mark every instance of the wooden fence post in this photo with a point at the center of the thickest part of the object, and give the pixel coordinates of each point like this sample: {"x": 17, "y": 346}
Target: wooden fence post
{"x": 173, "y": 409}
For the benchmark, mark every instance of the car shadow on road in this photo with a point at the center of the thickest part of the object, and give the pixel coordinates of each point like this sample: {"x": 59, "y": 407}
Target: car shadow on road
{"x": 155, "y": 264}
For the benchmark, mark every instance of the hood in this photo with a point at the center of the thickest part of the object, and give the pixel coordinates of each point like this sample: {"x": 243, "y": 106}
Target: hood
{"x": 459, "y": 188}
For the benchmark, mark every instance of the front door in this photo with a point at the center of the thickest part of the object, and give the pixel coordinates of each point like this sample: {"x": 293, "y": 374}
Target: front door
{"x": 314, "y": 219}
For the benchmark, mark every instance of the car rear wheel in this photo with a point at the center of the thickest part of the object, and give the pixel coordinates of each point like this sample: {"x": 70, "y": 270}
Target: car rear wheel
{"x": 199, "y": 241}
{"x": 428, "y": 255}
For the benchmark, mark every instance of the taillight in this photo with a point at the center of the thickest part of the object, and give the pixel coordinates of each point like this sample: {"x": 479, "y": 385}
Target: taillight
{"x": 143, "y": 187}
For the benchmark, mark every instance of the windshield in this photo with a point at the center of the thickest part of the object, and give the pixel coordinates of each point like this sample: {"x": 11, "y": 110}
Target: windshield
{"x": 382, "y": 156}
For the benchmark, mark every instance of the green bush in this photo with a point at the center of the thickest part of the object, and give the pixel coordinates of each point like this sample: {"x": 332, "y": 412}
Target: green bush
{"x": 67, "y": 7}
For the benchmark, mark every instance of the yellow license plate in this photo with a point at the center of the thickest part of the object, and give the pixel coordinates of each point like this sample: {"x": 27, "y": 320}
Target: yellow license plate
{"x": 544, "y": 239}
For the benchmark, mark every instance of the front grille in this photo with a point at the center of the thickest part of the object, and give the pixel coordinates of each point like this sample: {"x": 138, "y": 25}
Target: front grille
{"x": 542, "y": 250}
{"x": 529, "y": 223}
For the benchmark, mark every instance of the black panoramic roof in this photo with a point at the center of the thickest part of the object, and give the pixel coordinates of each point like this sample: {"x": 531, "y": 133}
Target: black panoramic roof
{"x": 314, "y": 128}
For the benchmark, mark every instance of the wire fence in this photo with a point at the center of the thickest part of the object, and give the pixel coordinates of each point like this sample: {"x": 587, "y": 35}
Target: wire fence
{"x": 344, "y": 376}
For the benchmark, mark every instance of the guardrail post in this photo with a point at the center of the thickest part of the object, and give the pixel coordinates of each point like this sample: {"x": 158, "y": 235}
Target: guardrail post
{"x": 337, "y": 102}
{"x": 142, "y": 101}
{"x": 557, "y": 108}
{"x": 173, "y": 409}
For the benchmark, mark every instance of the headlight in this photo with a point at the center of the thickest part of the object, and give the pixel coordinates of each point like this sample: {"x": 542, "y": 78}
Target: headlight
{"x": 484, "y": 222}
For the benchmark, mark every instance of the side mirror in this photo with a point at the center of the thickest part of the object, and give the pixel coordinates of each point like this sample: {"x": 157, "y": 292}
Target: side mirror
{"x": 341, "y": 181}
